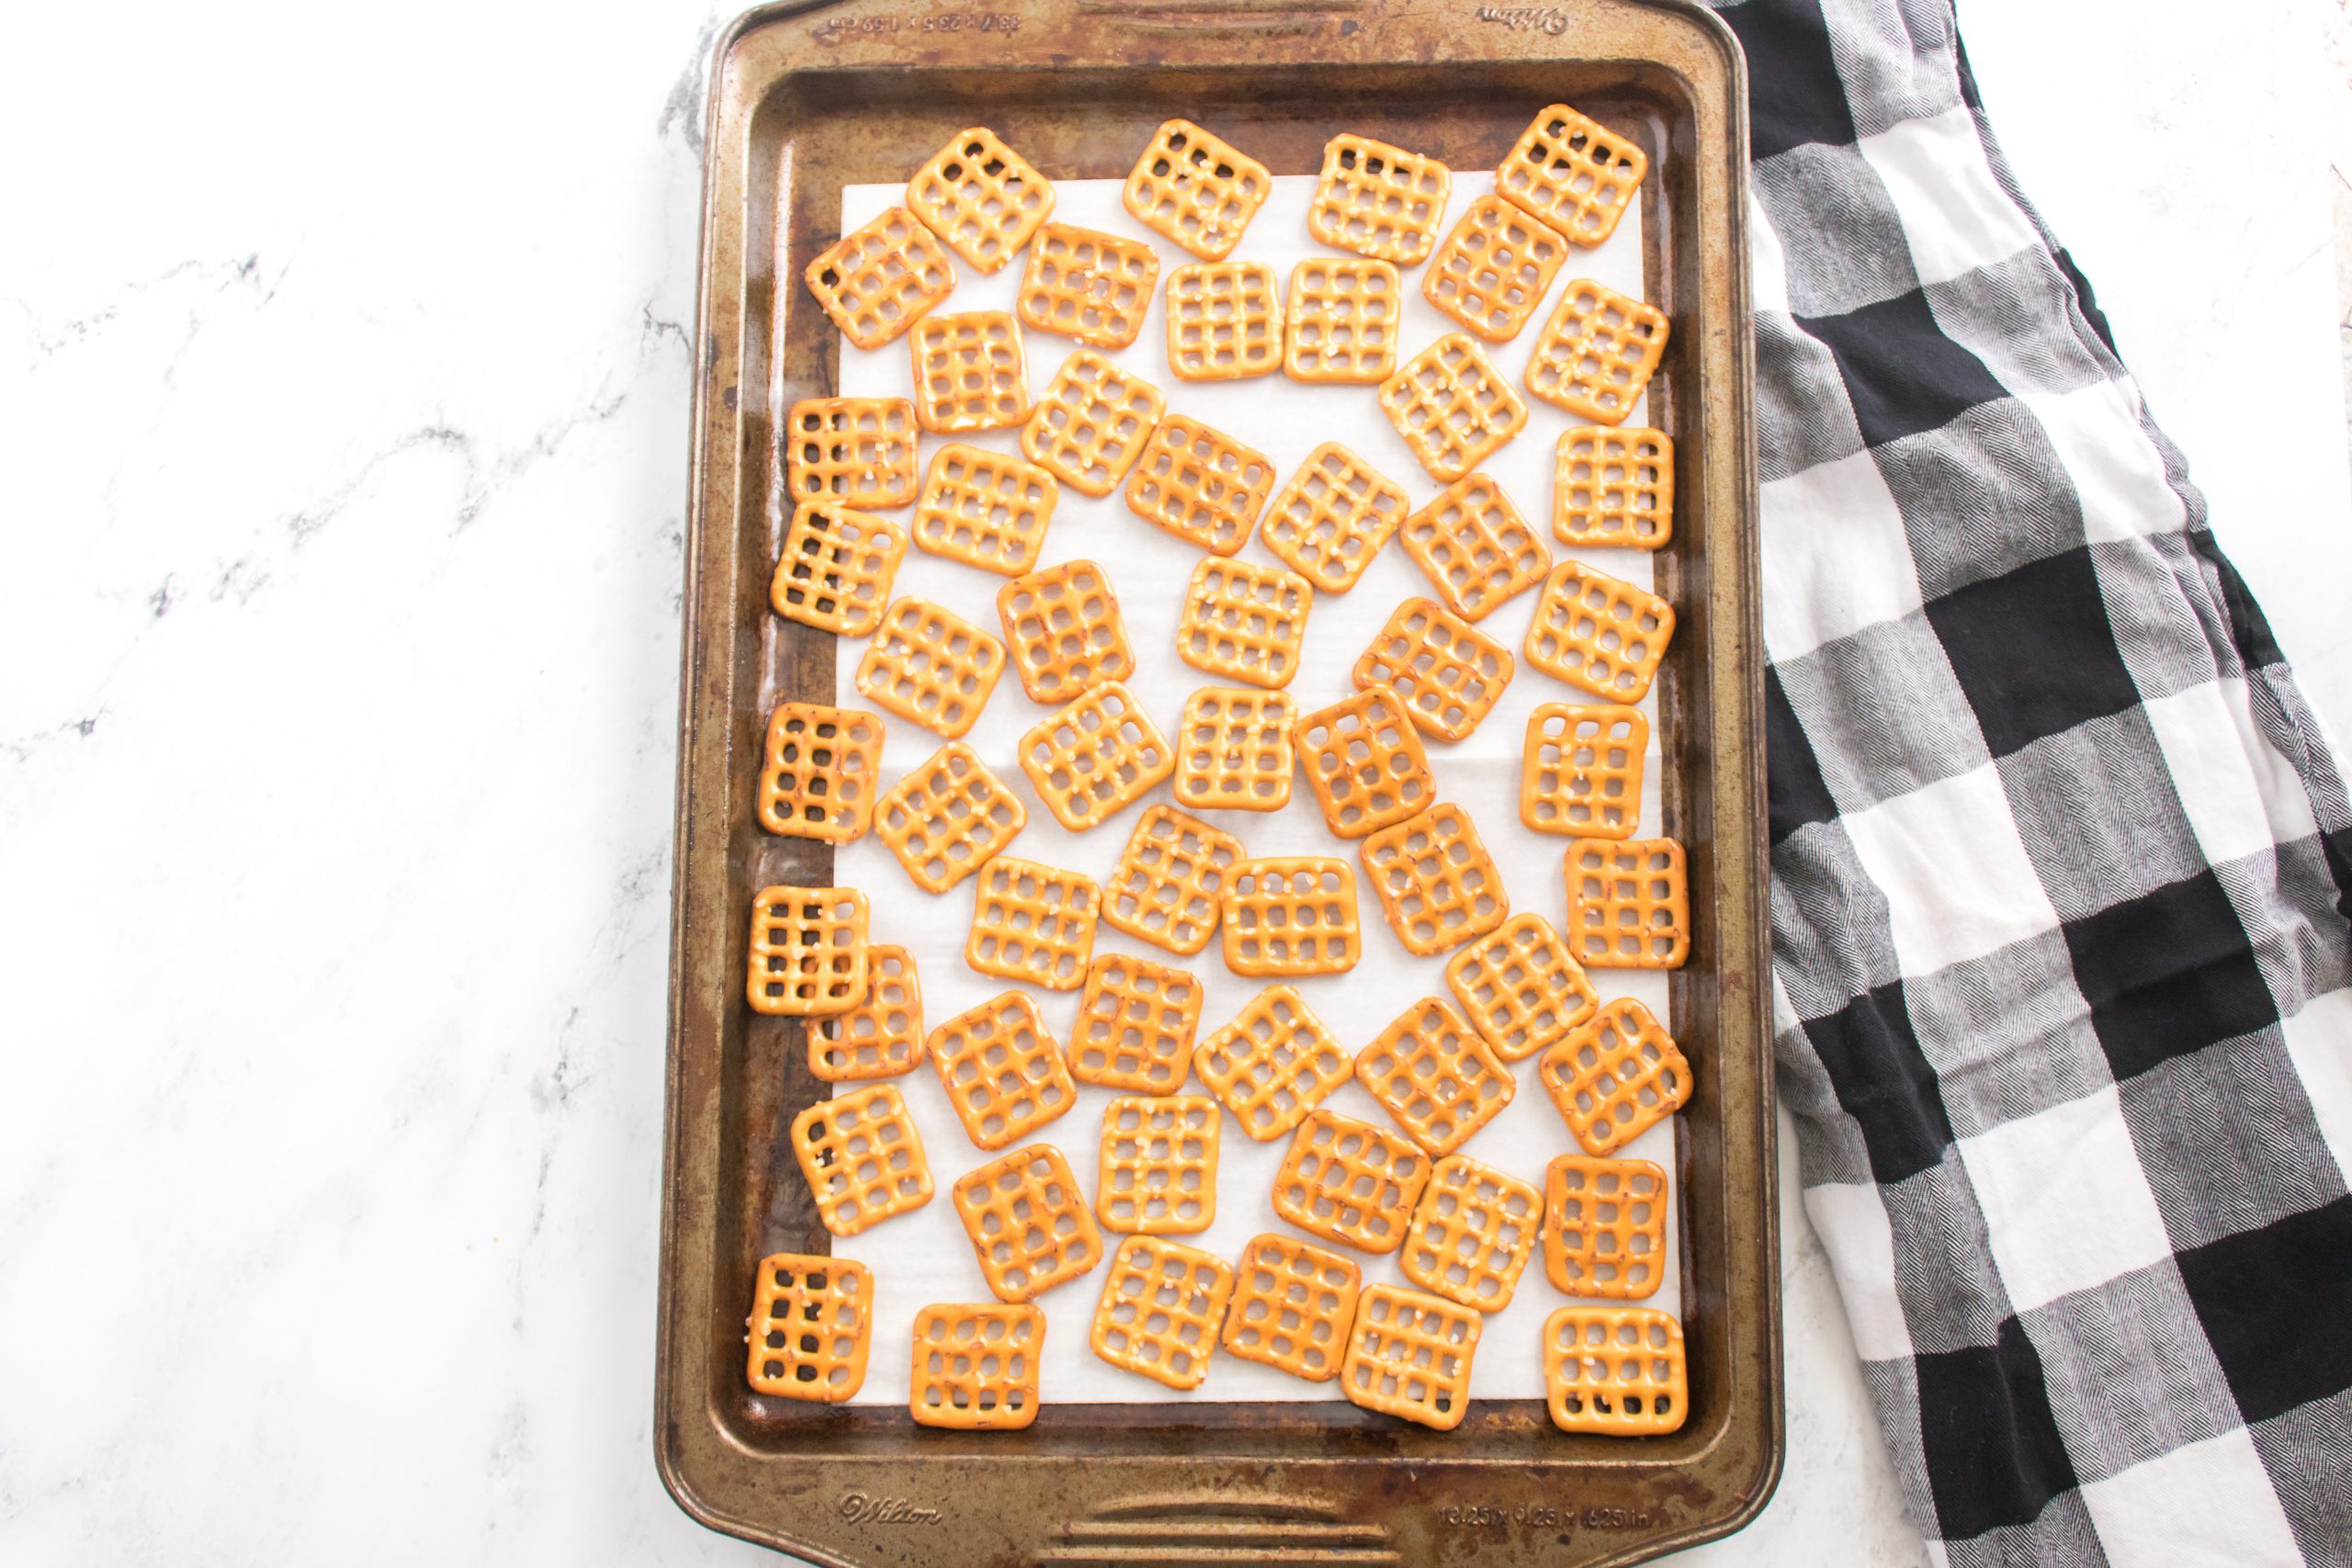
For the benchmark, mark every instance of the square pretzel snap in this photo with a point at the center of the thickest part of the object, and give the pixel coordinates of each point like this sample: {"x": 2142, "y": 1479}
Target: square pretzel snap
{"x": 835, "y": 568}
{"x": 1293, "y": 916}
{"x": 1493, "y": 268}
{"x": 862, "y": 1157}
{"x": 1350, "y": 1181}
{"x": 1437, "y": 884}
{"x": 1088, "y": 285}
{"x": 1340, "y": 326}
{"x": 1092, "y": 423}
{"x": 1063, "y": 625}
{"x": 1599, "y": 632}
{"x": 1204, "y": 487}
{"x": 1447, "y": 673}
{"x": 1629, "y": 903}
{"x": 1273, "y": 1064}
{"x": 1409, "y": 1355}
{"x": 1619, "y": 1371}
{"x": 1001, "y": 1069}
{"x": 1475, "y": 548}
{"x": 1613, "y": 488}
{"x": 817, "y": 778}
{"x": 980, "y": 196}
{"x": 881, "y": 1036}
{"x": 1033, "y": 922}
{"x": 1233, "y": 749}
{"x": 1604, "y": 1226}
{"x": 1472, "y": 1233}
{"x": 1581, "y": 774}
{"x": 1332, "y": 517}
{"x": 1196, "y": 188}
{"x": 976, "y": 1367}
{"x": 1134, "y": 1029}
{"x": 1522, "y": 988}
{"x": 1161, "y": 1307}
{"x": 808, "y": 950}
{"x": 1170, "y": 881}
{"x": 1364, "y": 762}
{"x": 1292, "y": 1306}
{"x": 1244, "y": 621}
{"x": 986, "y": 509}
{"x": 1096, "y": 757}
{"x": 1225, "y": 321}
{"x": 1378, "y": 201}
{"x": 877, "y": 281}
{"x": 1597, "y": 352}
{"x": 1616, "y": 1077}
{"x": 948, "y": 818}
{"x": 850, "y": 451}
{"x": 1434, "y": 1075}
{"x": 1573, "y": 173}
{"x": 971, "y": 372}
{"x": 1159, "y": 1166}
{"x": 811, "y": 1323}
{"x": 1452, "y": 406}
{"x": 1028, "y": 1222}
{"x": 932, "y": 666}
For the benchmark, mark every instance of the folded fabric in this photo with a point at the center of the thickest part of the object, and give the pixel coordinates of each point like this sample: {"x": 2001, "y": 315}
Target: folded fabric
{"x": 2061, "y": 863}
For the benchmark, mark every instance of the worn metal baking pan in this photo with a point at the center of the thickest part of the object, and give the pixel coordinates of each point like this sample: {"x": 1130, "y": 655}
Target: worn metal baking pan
{"x": 809, "y": 98}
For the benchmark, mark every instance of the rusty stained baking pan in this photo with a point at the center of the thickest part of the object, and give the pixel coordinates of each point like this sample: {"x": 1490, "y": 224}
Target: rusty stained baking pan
{"x": 808, "y": 98}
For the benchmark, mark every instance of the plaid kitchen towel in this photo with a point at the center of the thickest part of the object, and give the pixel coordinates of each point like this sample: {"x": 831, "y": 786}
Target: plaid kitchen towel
{"x": 2061, "y": 863}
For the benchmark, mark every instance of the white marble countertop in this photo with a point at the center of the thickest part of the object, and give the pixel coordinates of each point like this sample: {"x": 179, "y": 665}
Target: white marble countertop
{"x": 344, "y": 379}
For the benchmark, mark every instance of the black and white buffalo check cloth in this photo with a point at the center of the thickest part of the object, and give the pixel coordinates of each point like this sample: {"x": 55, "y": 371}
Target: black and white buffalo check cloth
{"x": 2061, "y": 863}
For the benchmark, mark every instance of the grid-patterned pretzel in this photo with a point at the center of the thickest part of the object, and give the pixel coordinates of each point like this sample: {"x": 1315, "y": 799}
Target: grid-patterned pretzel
{"x": 881, "y": 1036}
{"x": 1447, "y": 673}
{"x": 1244, "y": 621}
{"x": 1409, "y": 1355}
{"x": 1572, "y": 173}
{"x": 877, "y": 281}
{"x": 1452, "y": 406}
{"x": 1332, "y": 517}
{"x": 1378, "y": 201}
{"x": 1088, "y": 285}
{"x": 808, "y": 950}
{"x": 1135, "y": 1026}
{"x": 1341, "y": 322}
{"x": 1521, "y": 987}
{"x": 1292, "y": 1306}
{"x": 1063, "y": 626}
{"x": 1581, "y": 774}
{"x": 817, "y": 781}
{"x": 1225, "y": 321}
{"x": 1437, "y": 885}
{"x": 1434, "y": 1075}
{"x": 1472, "y": 1233}
{"x": 948, "y": 818}
{"x": 1028, "y": 1222}
{"x": 930, "y": 665}
{"x": 862, "y": 1157}
{"x": 1160, "y": 1309}
{"x": 1233, "y": 749}
{"x": 811, "y": 1323}
{"x": 1157, "y": 1174}
{"x": 980, "y": 196}
{"x": 1613, "y": 488}
{"x": 1033, "y": 922}
{"x": 976, "y": 1367}
{"x": 1273, "y": 1064}
{"x": 850, "y": 451}
{"x": 1597, "y": 352}
{"x": 971, "y": 372}
{"x": 1629, "y": 903}
{"x": 1615, "y": 1077}
{"x": 1350, "y": 1181}
{"x": 1001, "y": 1069}
{"x": 1604, "y": 1227}
{"x": 1293, "y": 915}
{"x": 1096, "y": 757}
{"x": 986, "y": 509}
{"x": 1618, "y": 1370}
{"x": 1599, "y": 632}
{"x": 836, "y": 567}
{"x": 1364, "y": 762}
{"x": 1200, "y": 485}
{"x": 1475, "y": 548}
{"x": 1170, "y": 881}
{"x": 1196, "y": 188}
{"x": 1493, "y": 268}
{"x": 1092, "y": 423}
